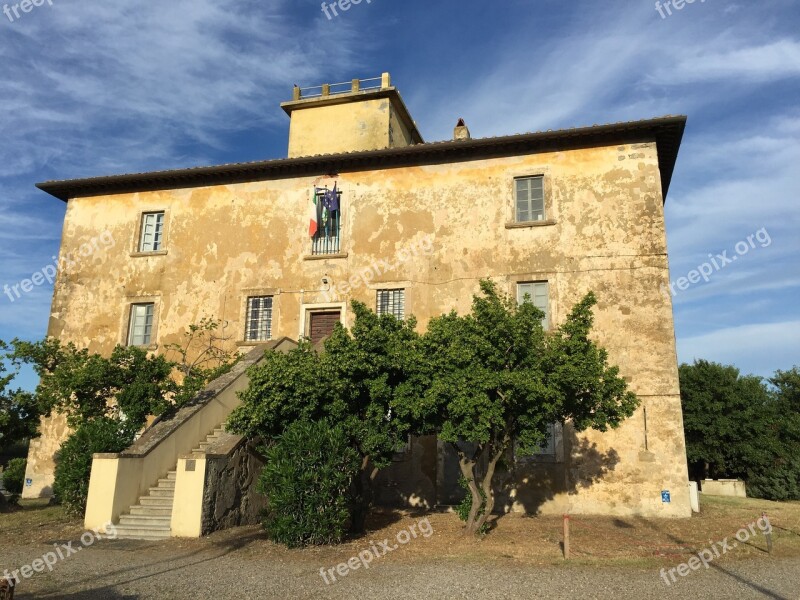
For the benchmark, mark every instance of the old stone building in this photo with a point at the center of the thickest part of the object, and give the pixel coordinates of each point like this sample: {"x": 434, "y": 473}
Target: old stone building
{"x": 364, "y": 209}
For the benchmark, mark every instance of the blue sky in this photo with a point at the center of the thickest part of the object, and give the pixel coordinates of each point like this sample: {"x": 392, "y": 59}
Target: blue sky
{"x": 95, "y": 88}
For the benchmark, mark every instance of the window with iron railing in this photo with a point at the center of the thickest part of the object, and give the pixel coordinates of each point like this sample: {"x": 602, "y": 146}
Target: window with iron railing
{"x": 259, "y": 319}
{"x": 392, "y": 302}
{"x": 327, "y": 239}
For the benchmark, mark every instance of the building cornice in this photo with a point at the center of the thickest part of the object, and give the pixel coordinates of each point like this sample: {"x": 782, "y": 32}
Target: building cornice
{"x": 666, "y": 132}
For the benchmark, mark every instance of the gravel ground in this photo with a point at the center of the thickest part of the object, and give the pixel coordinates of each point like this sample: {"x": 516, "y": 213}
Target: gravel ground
{"x": 239, "y": 565}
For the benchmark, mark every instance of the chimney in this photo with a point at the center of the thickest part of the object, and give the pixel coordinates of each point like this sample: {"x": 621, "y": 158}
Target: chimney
{"x": 461, "y": 131}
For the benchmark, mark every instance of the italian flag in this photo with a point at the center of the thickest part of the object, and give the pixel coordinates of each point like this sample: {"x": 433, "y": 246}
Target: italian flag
{"x": 313, "y": 225}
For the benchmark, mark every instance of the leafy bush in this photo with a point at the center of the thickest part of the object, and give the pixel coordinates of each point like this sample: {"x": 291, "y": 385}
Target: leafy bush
{"x": 14, "y": 476}
{"x": 462, "y": 510}
{"x": 308, "y": 481}
{"x": 74, "y": 459}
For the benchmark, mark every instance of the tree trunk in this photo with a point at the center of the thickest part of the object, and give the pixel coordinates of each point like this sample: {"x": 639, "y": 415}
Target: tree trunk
{"x": 364, "y": 495}
{"x": 488, "y": 488}
{"x": 467, "y": 465}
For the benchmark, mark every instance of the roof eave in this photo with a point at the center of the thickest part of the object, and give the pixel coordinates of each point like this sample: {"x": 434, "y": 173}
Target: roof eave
{"x": 667, "y": 132}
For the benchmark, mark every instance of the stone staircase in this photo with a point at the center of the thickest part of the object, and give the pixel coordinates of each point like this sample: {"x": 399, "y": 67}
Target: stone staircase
{"x": 151, "y": 518}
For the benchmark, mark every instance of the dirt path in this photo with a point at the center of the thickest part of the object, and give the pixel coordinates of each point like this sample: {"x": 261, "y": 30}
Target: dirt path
{"x": 421, "y": 556}
{"x": 232, "y": 570}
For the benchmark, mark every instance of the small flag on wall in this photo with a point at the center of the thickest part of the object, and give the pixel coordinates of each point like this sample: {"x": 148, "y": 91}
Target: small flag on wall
{"x": 323, "y": 203}
{"x": 313, "y": 217}
{"x": 330, "y": 198}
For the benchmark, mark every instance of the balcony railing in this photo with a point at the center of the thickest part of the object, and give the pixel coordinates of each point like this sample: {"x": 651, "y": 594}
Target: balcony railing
{"x": 346, "y": 87}
{"x": 327, "y": 240}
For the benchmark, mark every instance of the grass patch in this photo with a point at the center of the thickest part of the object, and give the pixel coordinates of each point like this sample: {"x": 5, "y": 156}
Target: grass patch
{"x": 36, "y": 520}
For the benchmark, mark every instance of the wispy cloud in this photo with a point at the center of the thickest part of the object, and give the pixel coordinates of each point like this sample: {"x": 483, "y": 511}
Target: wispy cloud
{"x": 755, "y": 63}
{"x": 763, "y": 347}
{"x": 95, "y": 88}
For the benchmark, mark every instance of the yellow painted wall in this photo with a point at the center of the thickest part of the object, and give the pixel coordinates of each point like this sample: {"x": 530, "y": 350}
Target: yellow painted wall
{"x": 605, "y": 232}
{"x": 340, "y": 128}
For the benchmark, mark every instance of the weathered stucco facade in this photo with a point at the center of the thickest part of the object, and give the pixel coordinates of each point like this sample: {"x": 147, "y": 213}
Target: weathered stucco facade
{"x": 432, "y": 219}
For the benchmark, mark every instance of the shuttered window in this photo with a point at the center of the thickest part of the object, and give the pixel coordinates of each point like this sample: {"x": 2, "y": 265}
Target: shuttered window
{"x": 537, "y": 293}
{"x": 141, "y": 324}
{"x": 530, "y": 199}
{"x": 151, "y": 239}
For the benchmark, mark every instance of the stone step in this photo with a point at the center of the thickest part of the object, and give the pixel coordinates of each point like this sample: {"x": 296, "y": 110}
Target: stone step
{"x": 156, "y": 501}
{"x": 139, "y": 510}
{"x": 151, "y": 518}
{"x": 140, "y": 532}
{"x": 145, "y": 520}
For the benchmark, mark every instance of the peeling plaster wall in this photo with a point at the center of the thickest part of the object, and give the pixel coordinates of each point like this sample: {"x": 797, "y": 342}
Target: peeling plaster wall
{"x": 604, "y": 232}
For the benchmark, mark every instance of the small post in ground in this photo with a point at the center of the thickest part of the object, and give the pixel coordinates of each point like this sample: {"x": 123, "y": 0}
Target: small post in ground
{"x": 768, "y": 533}
{"x": 566, "y": 537}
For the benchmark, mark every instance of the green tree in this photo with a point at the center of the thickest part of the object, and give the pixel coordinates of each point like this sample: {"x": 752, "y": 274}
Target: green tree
{"x": 19, "y": 411}
{"x": 107, "y": 399}
{"x": 358, "y": 382}
{"x": 728, "y": 421}
{"x": 779, "y": 479}
{"x": 129, "y": 384}
{"x": 494, "y": 377}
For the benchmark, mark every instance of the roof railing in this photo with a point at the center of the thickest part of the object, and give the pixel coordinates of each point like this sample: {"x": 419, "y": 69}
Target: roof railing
{"x": 346, "y": 87}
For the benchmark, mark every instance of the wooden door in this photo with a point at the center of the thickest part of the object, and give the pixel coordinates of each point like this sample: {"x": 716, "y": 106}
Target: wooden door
{"x": 322, "y": 324}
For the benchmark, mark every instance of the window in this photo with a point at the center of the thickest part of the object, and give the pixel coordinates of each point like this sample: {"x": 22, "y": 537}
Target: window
{"x": 537, "y": 294}
{"x": 392, "y": 302}
{"x": 530, "y": 199}
{"x": 141, "y": 326}
{"x": 326, "y": 221}
{"x": 547, "y": 449}
{"x": 403, "y": 452}
{"x": 259, "y": 319}
{"x": 151, "y": 239}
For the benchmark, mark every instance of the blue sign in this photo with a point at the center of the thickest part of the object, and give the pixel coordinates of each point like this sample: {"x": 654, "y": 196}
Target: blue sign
{"x": 28, "y": 482}
{"x": 665, "y": 497}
